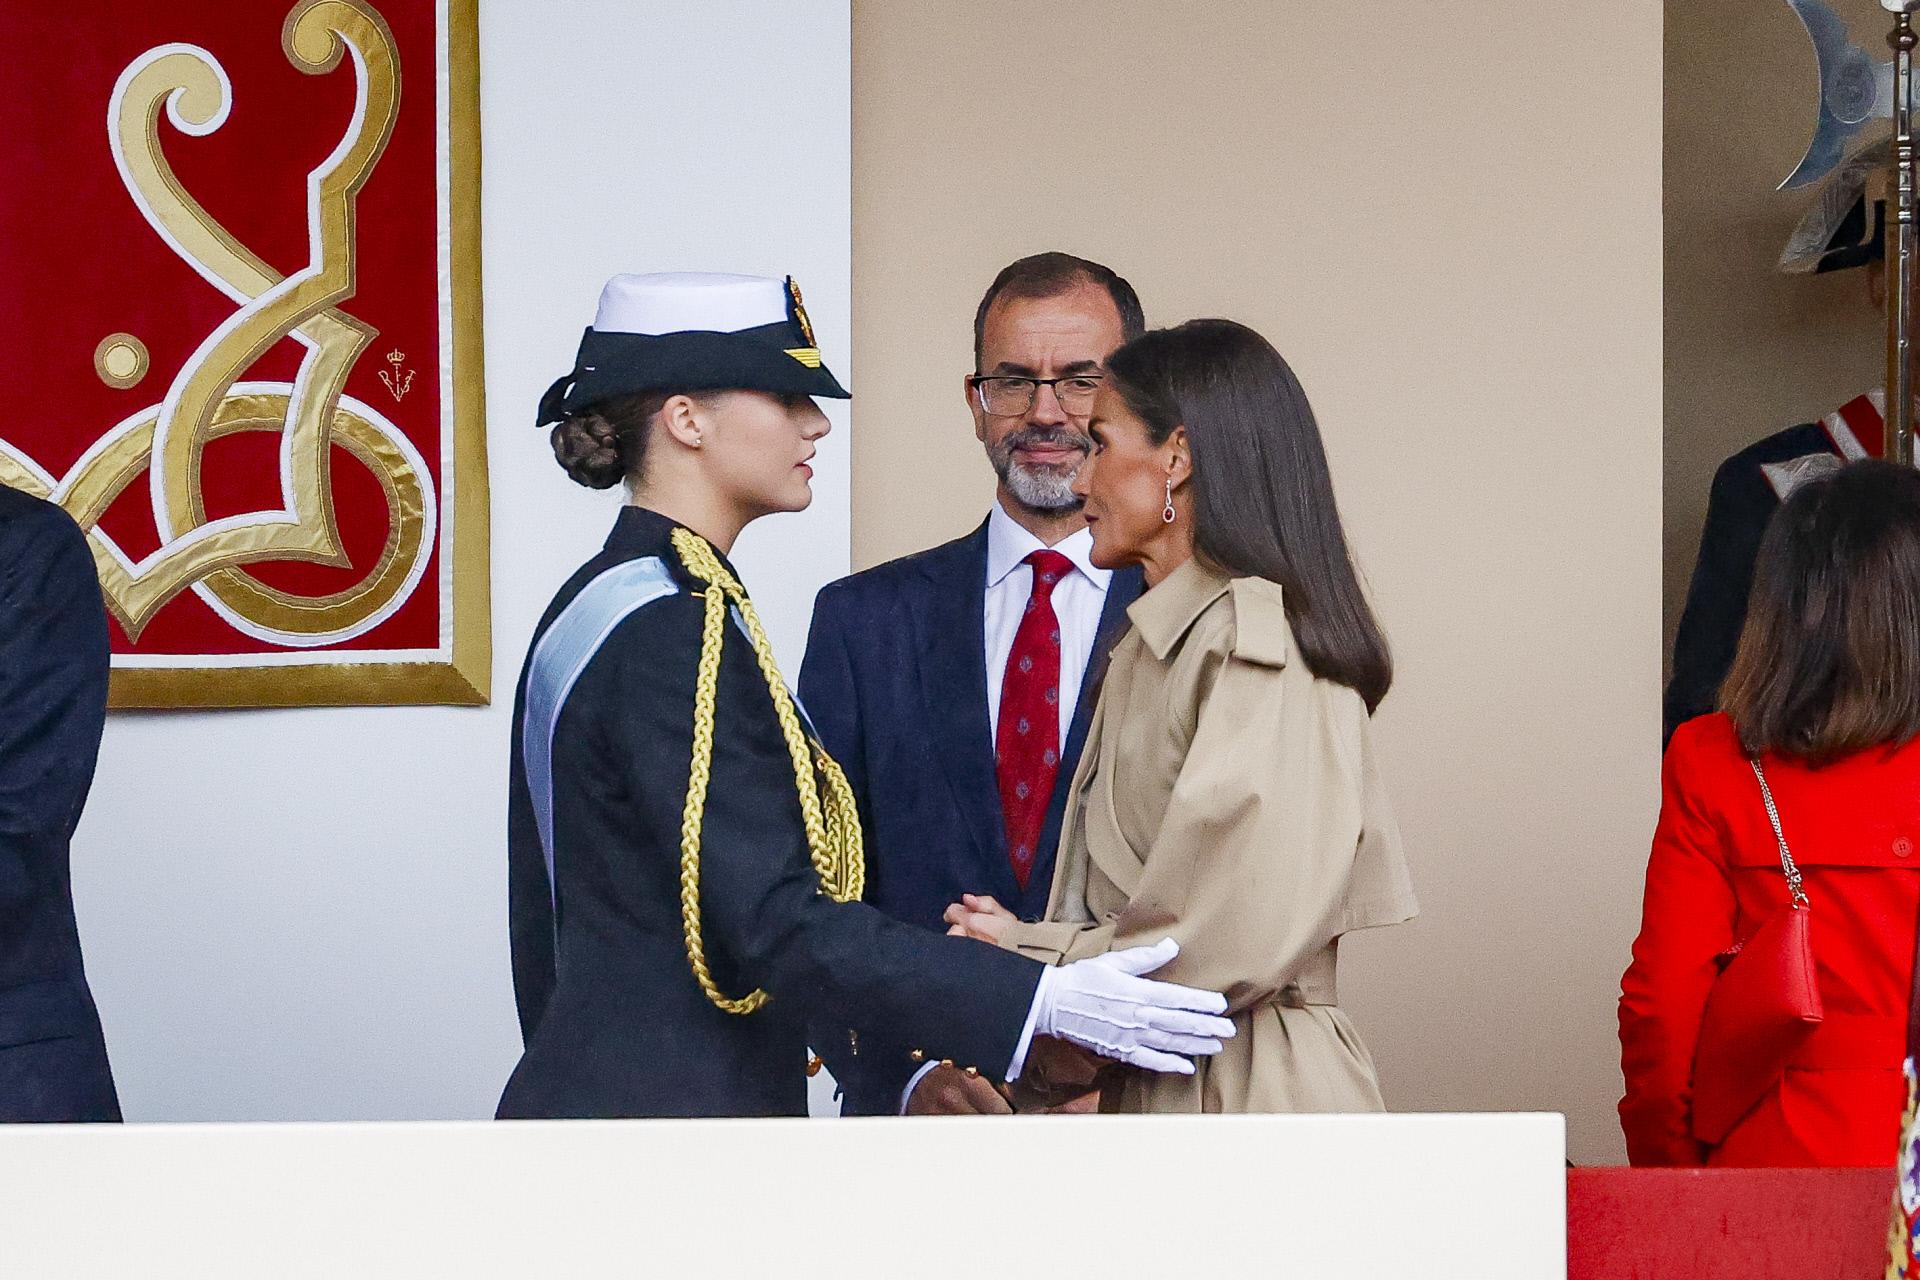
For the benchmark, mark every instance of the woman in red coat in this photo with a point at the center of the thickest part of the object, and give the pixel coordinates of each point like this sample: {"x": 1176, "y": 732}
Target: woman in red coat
{"x": 1825, "y": 691}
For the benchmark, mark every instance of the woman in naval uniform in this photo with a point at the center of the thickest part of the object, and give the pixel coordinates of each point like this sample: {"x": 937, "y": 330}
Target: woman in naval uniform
{"x": 685, "y": 861}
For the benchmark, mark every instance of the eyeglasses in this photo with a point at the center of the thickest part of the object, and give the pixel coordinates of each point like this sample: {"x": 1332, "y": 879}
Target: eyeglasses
{"x": 1011, "y": 397}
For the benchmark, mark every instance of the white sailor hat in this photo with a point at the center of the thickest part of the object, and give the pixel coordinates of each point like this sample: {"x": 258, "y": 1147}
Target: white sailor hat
{"x": 693, "y": 331}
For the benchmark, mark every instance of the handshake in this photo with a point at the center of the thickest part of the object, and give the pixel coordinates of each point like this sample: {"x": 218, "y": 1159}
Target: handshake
{"x": 1087, "y": 1016}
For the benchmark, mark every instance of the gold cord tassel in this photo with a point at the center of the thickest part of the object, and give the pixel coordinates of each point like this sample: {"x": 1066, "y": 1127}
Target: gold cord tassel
{"x": 832, "y": 822}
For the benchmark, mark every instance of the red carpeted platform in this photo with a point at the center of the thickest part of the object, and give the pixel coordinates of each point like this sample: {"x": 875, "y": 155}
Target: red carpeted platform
{"x": 1727, "y": 1224}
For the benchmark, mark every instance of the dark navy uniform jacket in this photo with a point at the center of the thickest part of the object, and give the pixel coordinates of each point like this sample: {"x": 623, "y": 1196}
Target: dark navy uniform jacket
{"x": 53, "y": 706}
{"x": 613, "y": 1020}
{"x": 896, "y": 680}
{"x": 1739, "y": 506}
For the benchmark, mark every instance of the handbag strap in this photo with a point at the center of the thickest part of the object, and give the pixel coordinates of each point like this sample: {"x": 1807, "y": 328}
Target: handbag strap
{"x": 1787, "y": 864}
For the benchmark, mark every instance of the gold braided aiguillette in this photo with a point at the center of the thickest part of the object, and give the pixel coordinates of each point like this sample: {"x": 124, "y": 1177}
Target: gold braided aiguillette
{"x": 832, "y": 822}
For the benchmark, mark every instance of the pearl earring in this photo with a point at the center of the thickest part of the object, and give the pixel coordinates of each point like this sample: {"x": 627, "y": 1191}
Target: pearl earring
{"x": 1169, "y": 515}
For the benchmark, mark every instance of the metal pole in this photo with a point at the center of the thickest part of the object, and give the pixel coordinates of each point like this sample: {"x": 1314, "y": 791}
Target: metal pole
{"x": 1901, "y": 256}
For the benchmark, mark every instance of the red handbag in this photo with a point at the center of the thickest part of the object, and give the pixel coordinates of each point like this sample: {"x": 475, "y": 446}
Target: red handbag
{"x": 1763, "y": 1006}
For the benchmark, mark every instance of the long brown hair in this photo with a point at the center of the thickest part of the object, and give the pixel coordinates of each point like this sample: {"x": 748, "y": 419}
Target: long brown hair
{"x": 1263, "y": 503}
{"x": 1829, "y": 659}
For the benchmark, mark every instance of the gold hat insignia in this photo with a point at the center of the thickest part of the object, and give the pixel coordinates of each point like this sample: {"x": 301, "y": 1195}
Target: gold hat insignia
{"x": 800, "y": 312}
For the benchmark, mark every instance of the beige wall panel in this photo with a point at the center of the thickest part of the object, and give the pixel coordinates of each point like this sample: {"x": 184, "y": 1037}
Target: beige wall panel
{"x": 1748, "y": 350}
{"x": 1451, "y": 227}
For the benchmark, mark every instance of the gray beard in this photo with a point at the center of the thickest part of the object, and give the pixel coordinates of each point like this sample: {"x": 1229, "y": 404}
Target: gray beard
{"x": 1040, "y": 489}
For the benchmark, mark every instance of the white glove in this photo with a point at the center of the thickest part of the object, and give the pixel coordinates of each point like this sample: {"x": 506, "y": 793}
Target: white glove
{"x": 1103, "y": 1004}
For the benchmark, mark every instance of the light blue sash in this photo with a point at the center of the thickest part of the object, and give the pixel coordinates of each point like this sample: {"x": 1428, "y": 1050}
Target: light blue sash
{"x": 562, "y": 654}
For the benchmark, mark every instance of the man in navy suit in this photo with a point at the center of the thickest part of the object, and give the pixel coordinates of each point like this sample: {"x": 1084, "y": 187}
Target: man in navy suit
{"x": 955, "y": 685}
{"x": 53, "y": 703}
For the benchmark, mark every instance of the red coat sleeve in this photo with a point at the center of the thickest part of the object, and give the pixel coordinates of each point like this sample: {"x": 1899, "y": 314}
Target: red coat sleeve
{"x": 1688, "y": 918}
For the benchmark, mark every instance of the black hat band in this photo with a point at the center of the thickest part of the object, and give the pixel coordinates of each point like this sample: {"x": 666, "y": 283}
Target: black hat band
{"x": 775, "y": 358}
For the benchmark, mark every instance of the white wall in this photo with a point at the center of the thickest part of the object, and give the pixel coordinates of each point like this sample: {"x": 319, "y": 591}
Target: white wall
{"x": 302, "y": 914}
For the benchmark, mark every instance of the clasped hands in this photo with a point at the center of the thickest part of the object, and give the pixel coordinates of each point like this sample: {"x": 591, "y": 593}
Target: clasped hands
{"x": 978, "y": 915}
{"x": 1085, "y": 1013}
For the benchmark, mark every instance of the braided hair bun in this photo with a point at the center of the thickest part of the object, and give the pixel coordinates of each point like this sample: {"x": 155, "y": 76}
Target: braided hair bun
{"x": 607, "y": 442}
{"x": 587, "y": 448}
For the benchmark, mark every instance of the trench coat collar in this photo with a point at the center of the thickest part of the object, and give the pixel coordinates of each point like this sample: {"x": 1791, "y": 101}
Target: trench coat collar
{"x": 1165, "y": 614}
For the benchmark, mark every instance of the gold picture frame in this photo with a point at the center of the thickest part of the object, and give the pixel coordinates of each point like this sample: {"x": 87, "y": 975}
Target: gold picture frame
{"x": 443, "y": 510}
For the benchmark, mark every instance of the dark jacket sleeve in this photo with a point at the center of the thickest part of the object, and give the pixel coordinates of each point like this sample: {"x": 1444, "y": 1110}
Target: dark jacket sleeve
{"x": 872, "y": 1078}
{"x": 764, "y": 920}
{"x": 53, "y": 684}
{"x": 1738, "y": 508}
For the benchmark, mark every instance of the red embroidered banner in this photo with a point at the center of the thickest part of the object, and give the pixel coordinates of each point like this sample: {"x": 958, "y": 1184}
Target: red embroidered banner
{"x": 240, "y": 338}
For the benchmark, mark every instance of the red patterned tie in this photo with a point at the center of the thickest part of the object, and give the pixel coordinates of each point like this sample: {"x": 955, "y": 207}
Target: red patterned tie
{"x": 1027, "y": 744}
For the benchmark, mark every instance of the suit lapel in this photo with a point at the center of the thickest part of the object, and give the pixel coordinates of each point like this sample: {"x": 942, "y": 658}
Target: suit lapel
{"x": 952, "y": 618}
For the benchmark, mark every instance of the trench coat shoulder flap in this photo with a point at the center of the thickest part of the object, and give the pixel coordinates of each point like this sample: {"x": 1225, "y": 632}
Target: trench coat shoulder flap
{"x": 1260, "y": 631}
{"x": 1251, "y": 627}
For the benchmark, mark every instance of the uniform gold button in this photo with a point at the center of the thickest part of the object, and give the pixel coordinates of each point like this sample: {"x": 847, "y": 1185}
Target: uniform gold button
{"x": 918, "y": 1055}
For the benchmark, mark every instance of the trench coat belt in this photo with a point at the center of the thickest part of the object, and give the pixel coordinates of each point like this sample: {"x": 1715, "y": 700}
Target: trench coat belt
{"x": 1315, "y": 983}
{"x": 1854, "y": 1040}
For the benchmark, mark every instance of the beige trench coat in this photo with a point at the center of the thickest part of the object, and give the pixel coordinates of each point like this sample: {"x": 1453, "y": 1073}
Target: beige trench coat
{"x": 1232, "y": 801}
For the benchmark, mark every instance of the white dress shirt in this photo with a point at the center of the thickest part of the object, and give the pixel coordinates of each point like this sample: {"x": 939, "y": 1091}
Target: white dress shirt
{"x": 1078, "y": 600}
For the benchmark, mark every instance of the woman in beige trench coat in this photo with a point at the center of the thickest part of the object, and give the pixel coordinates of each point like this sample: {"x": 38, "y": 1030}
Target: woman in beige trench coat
{"x": 1229, "y": 796}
